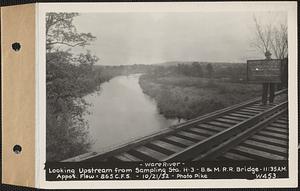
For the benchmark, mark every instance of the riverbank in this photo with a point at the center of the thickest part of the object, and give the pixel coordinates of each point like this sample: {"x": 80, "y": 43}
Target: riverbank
{"x": 188, "y": 97}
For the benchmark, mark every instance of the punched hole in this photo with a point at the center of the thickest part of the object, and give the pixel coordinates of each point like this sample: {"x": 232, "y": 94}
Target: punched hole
{"x": 16, "y": 46}
{"x": 17, "y": 149}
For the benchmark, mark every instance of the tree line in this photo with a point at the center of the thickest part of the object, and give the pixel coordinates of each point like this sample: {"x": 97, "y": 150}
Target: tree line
{"x": 230, "y": 72}
{"x": 196, "y": 70}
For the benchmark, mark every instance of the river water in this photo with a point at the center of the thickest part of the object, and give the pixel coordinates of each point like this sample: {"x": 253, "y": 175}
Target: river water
{"x": 121, "y": 112}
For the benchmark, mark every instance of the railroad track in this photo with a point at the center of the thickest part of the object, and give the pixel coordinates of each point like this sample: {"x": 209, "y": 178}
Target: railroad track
{"x": 232, "y": 133}
{"x": 271, "y": 142}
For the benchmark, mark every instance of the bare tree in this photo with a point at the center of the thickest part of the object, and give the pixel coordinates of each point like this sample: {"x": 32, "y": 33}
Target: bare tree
{"x": 263, "y": 36}
{"x": 279, "y": 41}
{"x": 271, "y": 38}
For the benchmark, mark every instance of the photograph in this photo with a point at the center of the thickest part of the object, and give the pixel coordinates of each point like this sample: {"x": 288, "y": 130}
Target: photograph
{"x": 167, "y": 86}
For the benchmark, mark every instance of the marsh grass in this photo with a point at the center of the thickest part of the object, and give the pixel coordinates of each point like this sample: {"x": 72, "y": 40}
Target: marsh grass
{"x": 188, "y": 97}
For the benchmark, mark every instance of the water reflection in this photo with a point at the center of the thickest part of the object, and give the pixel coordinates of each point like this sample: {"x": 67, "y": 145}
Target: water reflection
{"x": 121, "y": 112}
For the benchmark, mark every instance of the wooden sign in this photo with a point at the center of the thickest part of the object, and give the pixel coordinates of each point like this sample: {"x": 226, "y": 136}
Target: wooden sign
{"x": 264, "y": 71}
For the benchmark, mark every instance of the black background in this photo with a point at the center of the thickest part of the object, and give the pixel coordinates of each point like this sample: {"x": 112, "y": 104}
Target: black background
{"x": 5, "y": 187}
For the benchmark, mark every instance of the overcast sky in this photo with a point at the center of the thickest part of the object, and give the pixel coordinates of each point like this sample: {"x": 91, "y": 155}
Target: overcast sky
{"x": 148, "y": 38}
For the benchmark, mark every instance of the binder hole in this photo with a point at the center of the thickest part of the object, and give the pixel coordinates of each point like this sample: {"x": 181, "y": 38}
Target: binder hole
{"x": 16, "y": 46}
{"x": 17, "y": 149}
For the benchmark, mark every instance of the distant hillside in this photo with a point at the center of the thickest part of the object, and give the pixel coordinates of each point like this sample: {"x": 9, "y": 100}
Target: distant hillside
{"x": 214, "y": 64}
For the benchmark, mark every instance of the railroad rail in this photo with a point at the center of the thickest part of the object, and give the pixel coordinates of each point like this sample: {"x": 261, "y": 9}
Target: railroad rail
{"x": 246, "y": 131}
{"x": 269, "y": 143}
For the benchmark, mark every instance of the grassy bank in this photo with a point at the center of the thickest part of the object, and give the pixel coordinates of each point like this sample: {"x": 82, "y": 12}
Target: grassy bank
{"x": 188, "y": 97}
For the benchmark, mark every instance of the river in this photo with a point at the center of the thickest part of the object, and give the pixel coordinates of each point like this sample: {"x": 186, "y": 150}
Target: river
{"x": 121, "y": 112}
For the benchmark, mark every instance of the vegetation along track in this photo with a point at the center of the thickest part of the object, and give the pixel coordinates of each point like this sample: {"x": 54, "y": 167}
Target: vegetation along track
{"x": 241, "y": 132}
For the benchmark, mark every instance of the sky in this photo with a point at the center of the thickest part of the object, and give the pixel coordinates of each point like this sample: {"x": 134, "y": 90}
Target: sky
{"x": 149, "y": 38}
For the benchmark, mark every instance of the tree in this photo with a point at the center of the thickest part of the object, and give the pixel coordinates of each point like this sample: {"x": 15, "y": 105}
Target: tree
{"x": 179, "y": 70}
{"x": 279, "y": 43}
{"x": 60, "y": 30}
{"x": 69, "y": 78}
{"x": 271, "y": 37}
{"x": 262, "y": 37}
{"x": 210, "y": 70}
{"x": 197, "y": 69}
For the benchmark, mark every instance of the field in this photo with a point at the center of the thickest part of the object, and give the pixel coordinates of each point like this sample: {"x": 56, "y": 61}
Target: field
{"x": 187, "y": 97}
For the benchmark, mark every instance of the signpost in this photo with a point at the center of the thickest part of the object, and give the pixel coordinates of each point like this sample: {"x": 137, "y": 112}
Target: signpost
{"x": 264, "y": 71}
{"x": 267, "y": 72}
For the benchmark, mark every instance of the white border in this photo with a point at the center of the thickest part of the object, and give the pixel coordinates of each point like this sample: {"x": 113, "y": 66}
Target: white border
{"x": 290, "y": 7}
